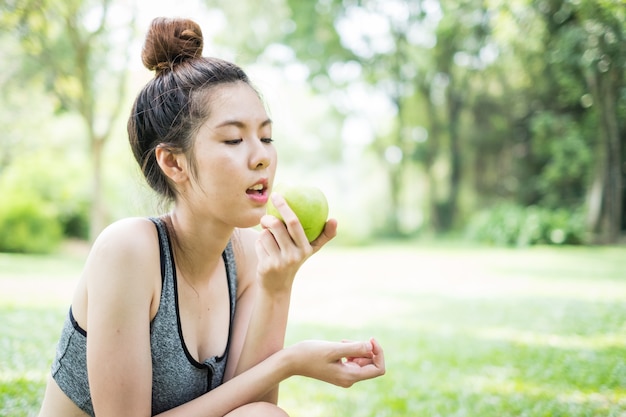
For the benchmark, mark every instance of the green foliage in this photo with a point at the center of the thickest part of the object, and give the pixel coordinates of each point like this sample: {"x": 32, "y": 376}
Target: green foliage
{"x": 565, "y": 156}
{"x": 76, "y": 51}
{"x": 75, "y": 219}
{"x": 45, "y": 203}
{"x": 315, "y": 38}
{"x": 523, "y": 73}
{"x": 511, "y": 99}
{"x": 265, "y": 22}
{"x": 507, "y": 224}
{"x": 28, "y": 224}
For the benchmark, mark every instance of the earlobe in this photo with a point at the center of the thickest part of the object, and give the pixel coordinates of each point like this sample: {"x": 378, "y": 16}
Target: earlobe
{"x": 171, "y": 163}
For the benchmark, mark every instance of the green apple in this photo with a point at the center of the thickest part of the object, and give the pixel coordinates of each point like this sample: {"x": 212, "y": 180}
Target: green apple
{"x": 308, "y": 203}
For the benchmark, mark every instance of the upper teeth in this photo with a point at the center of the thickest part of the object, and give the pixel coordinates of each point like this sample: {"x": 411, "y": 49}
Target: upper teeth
{"x": 257, "y": 187}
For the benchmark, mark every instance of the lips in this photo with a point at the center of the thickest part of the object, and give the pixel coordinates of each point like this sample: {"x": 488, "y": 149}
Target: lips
{"x": 260, "y": 188}
{"x": 258, "y": 193}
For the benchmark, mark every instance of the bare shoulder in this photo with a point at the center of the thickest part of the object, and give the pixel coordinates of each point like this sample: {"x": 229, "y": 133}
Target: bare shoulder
{"x": 123, "y": 266}
{"x": 126, "y": 234}
{"x": 129, "y": 245}
{"x": 124, "y": 240}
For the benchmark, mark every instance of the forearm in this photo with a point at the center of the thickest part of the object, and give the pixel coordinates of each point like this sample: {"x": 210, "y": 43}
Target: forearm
{"x": 245, "y": 388}
{"x": 266, "y": 332}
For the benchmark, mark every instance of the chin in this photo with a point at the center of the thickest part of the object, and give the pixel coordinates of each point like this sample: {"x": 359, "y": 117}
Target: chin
{"x": 252, "y": 221}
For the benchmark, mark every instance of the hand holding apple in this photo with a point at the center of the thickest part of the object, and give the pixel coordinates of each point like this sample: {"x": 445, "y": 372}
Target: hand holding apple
{"x": 308, "y": 203}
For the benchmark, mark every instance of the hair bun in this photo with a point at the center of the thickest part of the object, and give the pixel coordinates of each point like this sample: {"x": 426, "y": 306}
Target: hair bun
{"x": 171, "y": 41}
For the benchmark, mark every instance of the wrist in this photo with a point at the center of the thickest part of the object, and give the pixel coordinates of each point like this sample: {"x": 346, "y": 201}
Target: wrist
{"x": 274, "y": 290}
{"x": 289, "y": 362}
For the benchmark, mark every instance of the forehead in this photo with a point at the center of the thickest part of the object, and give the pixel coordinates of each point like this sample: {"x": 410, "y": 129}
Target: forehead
{"x": 235, "y": 102}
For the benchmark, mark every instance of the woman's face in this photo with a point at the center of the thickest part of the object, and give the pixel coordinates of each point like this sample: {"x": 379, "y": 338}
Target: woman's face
{"x": 235, "y": 158}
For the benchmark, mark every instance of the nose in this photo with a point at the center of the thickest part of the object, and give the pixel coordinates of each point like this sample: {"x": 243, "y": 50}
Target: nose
{"x": 261, "y": 155}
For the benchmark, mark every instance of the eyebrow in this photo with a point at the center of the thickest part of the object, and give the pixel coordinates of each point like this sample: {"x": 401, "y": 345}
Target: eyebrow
{"x": 240, "y": 124}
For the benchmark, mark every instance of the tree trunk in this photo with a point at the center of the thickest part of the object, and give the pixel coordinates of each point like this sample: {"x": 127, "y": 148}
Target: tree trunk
{"x": 97, "y": 213}
{"x": 434, "y": 129}
{"x": 393, "y": 219}
{"x": 454, "y": 111}
{"x": 605, "y": 200}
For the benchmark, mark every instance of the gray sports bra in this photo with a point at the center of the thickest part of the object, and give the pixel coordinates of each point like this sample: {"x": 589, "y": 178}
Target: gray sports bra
{"x": 177, "y": 377}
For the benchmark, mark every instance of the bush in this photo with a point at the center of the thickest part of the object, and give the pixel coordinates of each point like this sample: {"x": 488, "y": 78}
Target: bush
{"x": 513, "y": 225}
{"x": 53, "y": 188}
{"x": 74, "y": 218}
{"x": 28, "y": 225}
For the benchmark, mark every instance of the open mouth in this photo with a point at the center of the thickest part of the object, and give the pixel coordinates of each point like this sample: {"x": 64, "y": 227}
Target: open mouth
{"x": 256, "y": 189}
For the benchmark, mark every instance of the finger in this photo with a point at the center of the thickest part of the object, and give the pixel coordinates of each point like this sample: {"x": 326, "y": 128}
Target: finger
{"x": 277, "y": 229}
{"x": 360, "y": 361}
{"x": 376, "y": 348}
{"x": 266, "y": 244}
{"x": 379, "y": 356}
{"x": 329, "y": 232}
{"x": 290, "y": 220}
{"x": 354, "y": 350}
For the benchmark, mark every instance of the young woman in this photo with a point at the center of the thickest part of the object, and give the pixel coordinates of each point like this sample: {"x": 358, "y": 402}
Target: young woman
{"x": 185, "y": 314}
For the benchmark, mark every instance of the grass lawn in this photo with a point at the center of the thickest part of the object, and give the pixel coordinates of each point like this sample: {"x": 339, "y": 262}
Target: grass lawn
{"x": 466, "y": 331}
{"x": 34, "y": 296}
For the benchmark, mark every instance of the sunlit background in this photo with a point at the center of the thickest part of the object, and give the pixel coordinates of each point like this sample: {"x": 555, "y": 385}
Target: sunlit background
{"x": 498, "y": 121}
{"x": 473, "y": 152}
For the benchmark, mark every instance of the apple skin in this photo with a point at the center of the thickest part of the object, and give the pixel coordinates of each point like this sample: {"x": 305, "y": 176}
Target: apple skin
{"x": 308, "y": 203}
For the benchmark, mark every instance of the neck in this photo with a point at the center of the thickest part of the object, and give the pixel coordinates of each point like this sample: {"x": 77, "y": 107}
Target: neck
{"x": 197, "y": 246}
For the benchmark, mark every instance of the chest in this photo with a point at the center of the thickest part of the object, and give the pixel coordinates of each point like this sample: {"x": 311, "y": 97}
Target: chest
{"x": 204, "y": 315}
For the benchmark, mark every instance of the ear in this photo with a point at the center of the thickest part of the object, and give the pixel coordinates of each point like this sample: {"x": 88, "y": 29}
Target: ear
{"x": 173, "y": 164}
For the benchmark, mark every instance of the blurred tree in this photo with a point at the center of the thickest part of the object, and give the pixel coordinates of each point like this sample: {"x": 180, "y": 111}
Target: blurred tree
{"x": 525, "y": 97}
{"x": 574, "y": 130}
{"x": 462, "y": 52}
{"x": 372, "y": 38}
{"x": 423, "y": 55}
{"x": 265, "y": 21}
{"x": 78, "y": 50}
{"x": 603, "y": 65}
{"x": 519, "y": 101}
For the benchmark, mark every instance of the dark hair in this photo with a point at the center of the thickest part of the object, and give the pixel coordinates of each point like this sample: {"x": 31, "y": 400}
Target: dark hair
{"x": 172, "y": 106}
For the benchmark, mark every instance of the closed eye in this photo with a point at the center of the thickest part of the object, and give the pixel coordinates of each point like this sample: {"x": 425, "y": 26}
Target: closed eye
{"x": 238, "y": 141}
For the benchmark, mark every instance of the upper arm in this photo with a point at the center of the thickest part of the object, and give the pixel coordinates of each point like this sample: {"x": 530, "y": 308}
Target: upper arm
{"x": 120, "y": 278}
{"x": 246, "y": 259}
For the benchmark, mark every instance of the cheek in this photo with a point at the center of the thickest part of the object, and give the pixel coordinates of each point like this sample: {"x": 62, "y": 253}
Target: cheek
{"x": 223, "y": 177}
{"x": 274, "y": 159}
